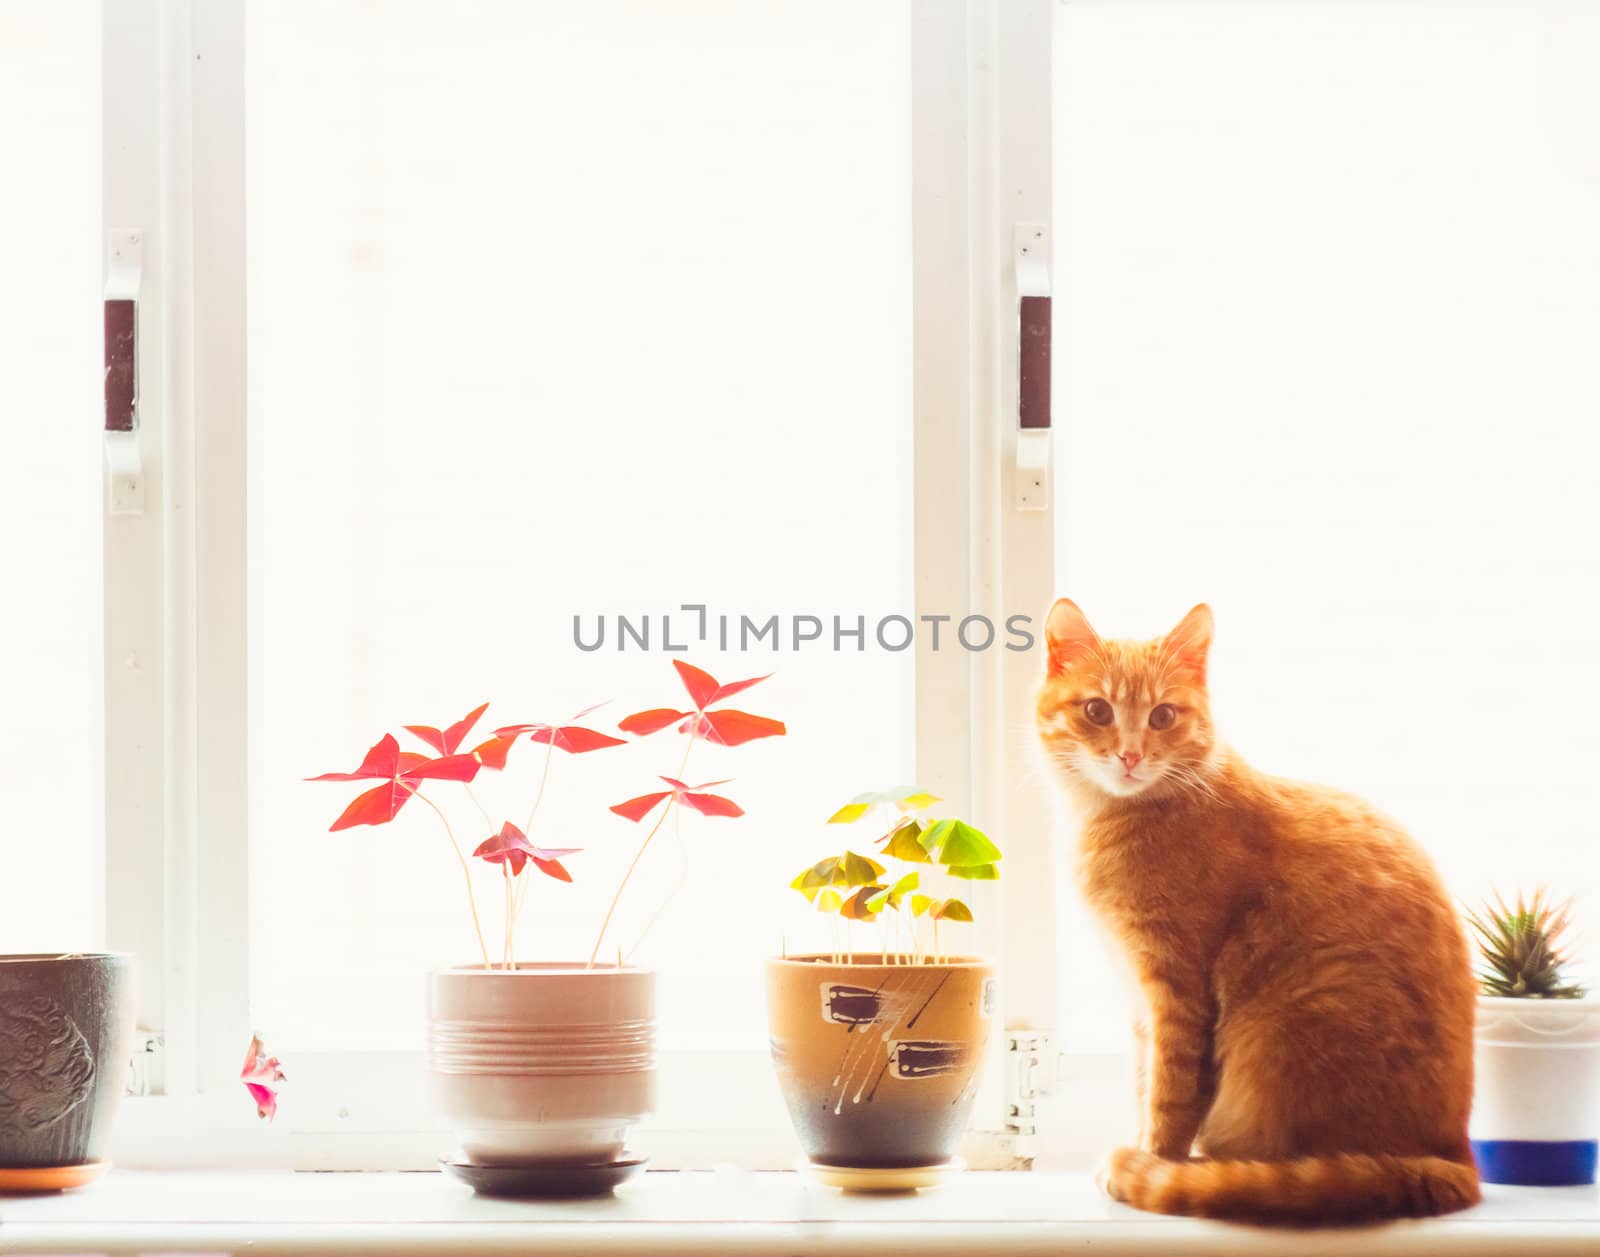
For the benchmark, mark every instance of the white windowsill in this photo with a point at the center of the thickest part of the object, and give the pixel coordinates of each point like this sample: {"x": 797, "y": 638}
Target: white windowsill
{"x": 720, "y": 1212}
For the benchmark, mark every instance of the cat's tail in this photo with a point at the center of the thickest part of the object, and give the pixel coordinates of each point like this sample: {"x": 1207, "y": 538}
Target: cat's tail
{"x": 1348, "y": 1187}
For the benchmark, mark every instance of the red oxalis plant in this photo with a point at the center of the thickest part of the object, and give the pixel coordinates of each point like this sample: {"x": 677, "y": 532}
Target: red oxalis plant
{"x": 724, "y": 727}
{"x": 404, "y": 774}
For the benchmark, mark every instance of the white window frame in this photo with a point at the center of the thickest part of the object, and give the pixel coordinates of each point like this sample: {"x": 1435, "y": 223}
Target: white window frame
{"x": 179, "y": 726}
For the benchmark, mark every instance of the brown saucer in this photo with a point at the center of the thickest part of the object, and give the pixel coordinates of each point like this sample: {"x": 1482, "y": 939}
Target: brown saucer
{"x": 50, "y": 1178}
{"x": 546, "y": 1182}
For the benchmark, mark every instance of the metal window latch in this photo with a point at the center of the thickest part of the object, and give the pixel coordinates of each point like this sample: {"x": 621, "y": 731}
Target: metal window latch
{"x": 145, "y": 1073}
{"x": 1031, "y": 259}
{"x": 1030, "y": 1073}
{"x": 124, "y": 467}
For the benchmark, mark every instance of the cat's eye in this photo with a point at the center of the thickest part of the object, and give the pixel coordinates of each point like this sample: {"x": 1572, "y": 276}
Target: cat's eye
{"x": 1163, "y": 716}
{"x": 1099, "y": 711}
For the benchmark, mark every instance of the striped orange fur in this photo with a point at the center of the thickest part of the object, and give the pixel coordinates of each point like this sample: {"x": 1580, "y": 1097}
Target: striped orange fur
{"x": 1305, "y": 993}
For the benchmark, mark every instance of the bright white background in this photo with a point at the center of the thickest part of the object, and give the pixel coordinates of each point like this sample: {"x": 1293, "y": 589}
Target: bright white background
{"x": 51, "y": 415}
{"x": 1326, "y": 359}
{"x": 566, "y": 310}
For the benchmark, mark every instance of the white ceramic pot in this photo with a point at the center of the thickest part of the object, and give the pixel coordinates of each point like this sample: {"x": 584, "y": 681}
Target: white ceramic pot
{"x": 543, "y": 1064}
{"x": 1536, "y": 1103}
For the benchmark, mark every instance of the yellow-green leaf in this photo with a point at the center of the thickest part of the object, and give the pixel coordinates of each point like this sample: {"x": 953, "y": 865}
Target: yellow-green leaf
{"x": 904, "y": 845}
{"x": 920, "y": 904}
{"x": 829, "y": 900}
{"x": 849, "y": 812}
{"x": 858, "y": 907}
{"x": 952, "y": 910}
{"x": 857, "y": 870}
{"x": 917, "y": 801}
{"x": 976, "y": 872}
{"x": 956, "y": 844}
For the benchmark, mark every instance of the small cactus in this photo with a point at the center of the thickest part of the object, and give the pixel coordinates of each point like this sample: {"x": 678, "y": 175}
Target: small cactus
{"x": 1522, "y": 948}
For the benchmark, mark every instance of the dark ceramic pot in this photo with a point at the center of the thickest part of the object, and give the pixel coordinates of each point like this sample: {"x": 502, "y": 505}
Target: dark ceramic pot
{"x": 66, "y": 1034}
{"x": 879, "y": 1063}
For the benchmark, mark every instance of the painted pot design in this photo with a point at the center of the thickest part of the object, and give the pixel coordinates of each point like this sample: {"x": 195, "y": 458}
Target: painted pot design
{"x": 544, "y": 1064}
{"x": 1536, "y": 1102}
{"x": 879, "y": 1063}
{"x": 66, "y": 1038}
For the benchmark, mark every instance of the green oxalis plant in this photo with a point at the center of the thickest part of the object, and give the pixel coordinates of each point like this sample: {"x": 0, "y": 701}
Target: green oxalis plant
{"x": 853, "y": 887}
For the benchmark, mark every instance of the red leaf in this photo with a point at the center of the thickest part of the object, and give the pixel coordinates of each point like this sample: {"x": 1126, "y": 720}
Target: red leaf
{"x": 377, "y": 806}
{"x": 643, "y": 722}
{"x": 637, "y": 809}
{"x": 702, "y": 686}
{"x": 711, "y": 804}
{"x": 450, "y": 768}
{"x": 382, "y": 758}
{"x": 552, "y": 868}
{"x": 509, "y": 846}
{"x": 492, "y": 754}
{"x": 734, "y": 687}
{"x": 449, "y": 742}
{"x": 575, "y": 739}
{"x": 733, "y": 728}
{"x": 381, "y": 761}
{"x": 430, "y": 735}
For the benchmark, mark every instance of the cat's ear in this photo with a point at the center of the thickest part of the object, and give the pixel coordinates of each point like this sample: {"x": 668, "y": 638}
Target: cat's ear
{"x": 1067, "y": 634}
{"x": 1190, "y": 642}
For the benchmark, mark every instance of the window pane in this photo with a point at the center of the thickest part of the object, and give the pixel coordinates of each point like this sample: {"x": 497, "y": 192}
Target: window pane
{"x": 1329, "y": 314}
{"x": 566, "y": 310}
{"x": 50, "y": 481}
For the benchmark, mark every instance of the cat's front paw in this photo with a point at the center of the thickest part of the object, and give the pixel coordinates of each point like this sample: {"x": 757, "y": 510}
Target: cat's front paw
{"x": 1112, "y": 1175}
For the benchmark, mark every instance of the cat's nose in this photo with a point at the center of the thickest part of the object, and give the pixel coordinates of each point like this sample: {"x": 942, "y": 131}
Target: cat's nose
{"x": 1130, "y": 760}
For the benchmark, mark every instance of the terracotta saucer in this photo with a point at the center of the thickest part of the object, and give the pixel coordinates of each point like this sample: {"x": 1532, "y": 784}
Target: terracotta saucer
{"x": 852, "y": 1178}
{"x": 50, "y": 1178}
{"x": 546, "y": 1182}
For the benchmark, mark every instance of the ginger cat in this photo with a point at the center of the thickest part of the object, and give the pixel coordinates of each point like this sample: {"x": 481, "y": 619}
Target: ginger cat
{"x": 1306, "y": 1053}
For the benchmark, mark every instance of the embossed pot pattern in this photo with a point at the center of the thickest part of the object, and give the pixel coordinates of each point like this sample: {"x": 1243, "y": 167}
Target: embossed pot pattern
{"x": 66, "y": 1027}
{"x": 547, "y": 1063}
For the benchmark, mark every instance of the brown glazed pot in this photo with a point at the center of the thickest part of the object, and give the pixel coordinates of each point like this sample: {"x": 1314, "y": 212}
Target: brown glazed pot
{"x": 879, "y": 1063}
{"x": 66, "y": 1037}
{"x": 547, "y": 1064}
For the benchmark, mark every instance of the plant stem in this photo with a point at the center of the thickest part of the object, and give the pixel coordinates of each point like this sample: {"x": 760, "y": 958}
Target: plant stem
{"x": 683, "y": 876}
{"x": 466, "y": 872}
{"x": 672, "y": 802}
{"x": 477, "y": 803}
{"x": 538, "y": 797}
{"x": 505, "y": 937}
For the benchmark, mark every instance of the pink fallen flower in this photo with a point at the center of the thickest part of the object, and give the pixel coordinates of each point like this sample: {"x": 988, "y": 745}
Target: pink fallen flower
{"x": 259, "y": 1074}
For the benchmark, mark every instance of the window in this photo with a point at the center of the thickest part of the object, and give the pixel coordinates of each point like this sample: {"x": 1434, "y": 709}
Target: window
{"x": 1328, "y": 277}
{"x": 50, "y": 892}
{"x": 474, "y": 331}
{"x": 457, "y": 329}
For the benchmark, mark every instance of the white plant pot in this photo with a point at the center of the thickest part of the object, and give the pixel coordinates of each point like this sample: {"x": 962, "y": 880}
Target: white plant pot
{"x": 543, "y": 1065}
{"x": 1536, "y": 1103}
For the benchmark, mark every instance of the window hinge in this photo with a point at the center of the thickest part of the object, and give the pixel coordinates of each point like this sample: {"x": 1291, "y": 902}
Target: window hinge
{"x": 1030, "y": 1073}
{"x": 145, "y": 1072}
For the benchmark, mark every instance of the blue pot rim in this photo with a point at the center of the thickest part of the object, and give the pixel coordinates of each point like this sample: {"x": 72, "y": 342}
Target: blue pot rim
{"x": 1537, "y": 1162}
